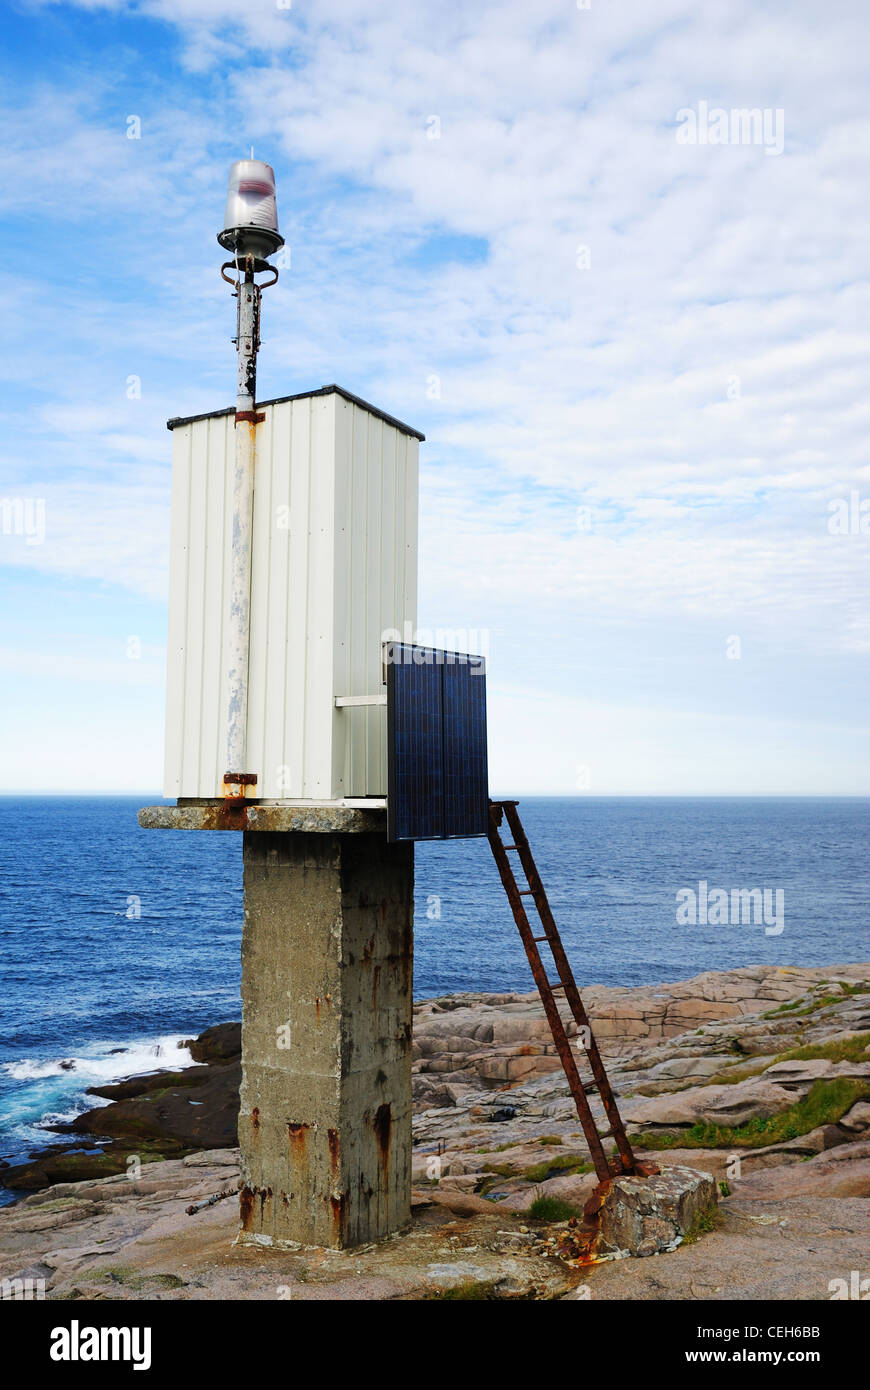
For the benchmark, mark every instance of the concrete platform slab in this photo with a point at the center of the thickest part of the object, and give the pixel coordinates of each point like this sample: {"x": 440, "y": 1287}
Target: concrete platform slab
{"x": 327, "y": 819}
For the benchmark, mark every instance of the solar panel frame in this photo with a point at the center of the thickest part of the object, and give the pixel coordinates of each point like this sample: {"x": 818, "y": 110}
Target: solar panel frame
{"x": 437, "y": 775}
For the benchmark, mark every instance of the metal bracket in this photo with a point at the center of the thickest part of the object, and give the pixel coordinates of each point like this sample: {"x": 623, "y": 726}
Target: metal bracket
{"x": 257, "y": 268}
{"x": 236, "y": 786}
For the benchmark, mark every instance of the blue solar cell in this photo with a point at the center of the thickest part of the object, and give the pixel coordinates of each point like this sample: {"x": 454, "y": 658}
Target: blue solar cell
{"x": 436, "y": 744}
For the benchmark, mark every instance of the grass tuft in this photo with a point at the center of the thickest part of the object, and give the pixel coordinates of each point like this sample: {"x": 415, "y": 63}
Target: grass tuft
{"x": 551, "y": 1209}
{"x": 558, "y": 1166}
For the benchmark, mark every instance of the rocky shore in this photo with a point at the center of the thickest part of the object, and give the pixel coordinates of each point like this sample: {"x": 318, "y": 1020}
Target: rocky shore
{"x": 163, "y": 1114}
{"x": 759, "y": 1077}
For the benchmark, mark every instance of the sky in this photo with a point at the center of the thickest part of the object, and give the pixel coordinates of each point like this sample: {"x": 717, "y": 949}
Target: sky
{"x": 633, "y": 328}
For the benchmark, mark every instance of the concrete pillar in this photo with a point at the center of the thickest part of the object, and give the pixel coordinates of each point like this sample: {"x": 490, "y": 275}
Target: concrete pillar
{"x": 325, "y": 1117}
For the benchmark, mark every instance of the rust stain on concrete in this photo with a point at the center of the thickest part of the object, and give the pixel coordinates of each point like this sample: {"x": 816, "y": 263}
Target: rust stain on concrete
{"x": 225, "y": 816}
{"x": 334, "y": 1142}
{"x": 337, "y": 1207}
{"x": 298, "y": 1137}
{"x": 383, "y": 1127}
{"x": 246, "y": 1207}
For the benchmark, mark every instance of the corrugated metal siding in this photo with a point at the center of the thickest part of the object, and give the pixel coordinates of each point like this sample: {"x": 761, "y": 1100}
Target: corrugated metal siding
{"x": 292, "y": 583}
{"x": 376, "y": 515}
{"x": 199, "y": 597}
{"x": 334, "y": 565}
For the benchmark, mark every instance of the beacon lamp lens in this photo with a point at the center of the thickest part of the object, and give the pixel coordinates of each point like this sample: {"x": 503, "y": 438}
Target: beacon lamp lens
{"x": 251, "y": 218}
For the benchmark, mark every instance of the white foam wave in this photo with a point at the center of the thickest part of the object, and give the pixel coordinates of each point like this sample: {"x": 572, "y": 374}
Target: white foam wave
{"x": 106, "y": 1062}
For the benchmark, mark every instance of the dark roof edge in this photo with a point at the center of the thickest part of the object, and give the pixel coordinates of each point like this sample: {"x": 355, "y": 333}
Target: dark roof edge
{"x": 301, "y": 396}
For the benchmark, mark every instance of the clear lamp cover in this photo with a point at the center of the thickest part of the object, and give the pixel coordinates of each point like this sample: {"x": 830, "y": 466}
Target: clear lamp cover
{"x": 251, "y": 196}
{"x": 251, "y": 218}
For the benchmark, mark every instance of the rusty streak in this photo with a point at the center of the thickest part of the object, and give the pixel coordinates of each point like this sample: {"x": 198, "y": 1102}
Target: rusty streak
{"x": 334, "y": 1150}
{"x": 383, "y": 1126}
{"x": 229, "y": 815}
{"x": 298, "y": 1136}
{"x": 246, "y": 1207}
{"x": 337, "y": 1205}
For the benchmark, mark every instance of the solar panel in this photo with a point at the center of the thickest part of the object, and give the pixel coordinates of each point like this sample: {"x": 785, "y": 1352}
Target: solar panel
{"x": 437, "y": 787}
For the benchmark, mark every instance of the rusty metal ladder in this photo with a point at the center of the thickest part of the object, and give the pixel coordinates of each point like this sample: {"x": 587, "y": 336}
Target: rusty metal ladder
{"x": 624, "y": 1160}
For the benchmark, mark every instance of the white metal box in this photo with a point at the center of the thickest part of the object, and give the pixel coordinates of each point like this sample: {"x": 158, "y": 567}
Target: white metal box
{"x": 334, "y": 568}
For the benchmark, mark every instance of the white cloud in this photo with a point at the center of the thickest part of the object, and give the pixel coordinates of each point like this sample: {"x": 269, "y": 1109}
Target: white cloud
{"x": 702, "y": 387}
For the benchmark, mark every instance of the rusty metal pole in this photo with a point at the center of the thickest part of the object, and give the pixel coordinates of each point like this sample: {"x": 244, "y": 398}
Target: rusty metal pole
{"x": 238, "y": 779}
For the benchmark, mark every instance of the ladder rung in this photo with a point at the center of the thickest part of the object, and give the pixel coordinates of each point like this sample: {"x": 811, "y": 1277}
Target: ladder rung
{"x": 540, "y": 938}
{"x": 511, "y": 846}
{"x": 526, "y": 892}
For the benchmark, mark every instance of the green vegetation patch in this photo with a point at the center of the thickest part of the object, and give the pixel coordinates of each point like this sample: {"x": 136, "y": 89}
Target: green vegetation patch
{"x": 136, "y": 1280}
{"x": 557, "y": 1166}
{"x": 501, "y": 1170}
{"x": 808, "y": 1003}
{"x": 790, "y": 1007}
{"x": 57, "y": 1204}
{"x": 702, "y": 1225}
{"x": 551, "y": 1209}
{"x": 824, "y": 1104}
{"x": 852, "y": 1048}
{"x": 469, "y": 1291}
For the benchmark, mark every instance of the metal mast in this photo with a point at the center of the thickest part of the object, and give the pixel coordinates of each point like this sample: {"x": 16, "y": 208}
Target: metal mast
{"x": 251, "y": 233}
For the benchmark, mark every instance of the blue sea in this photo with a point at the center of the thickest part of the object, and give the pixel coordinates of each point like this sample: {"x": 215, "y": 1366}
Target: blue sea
{"x": 117, "y": 943}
